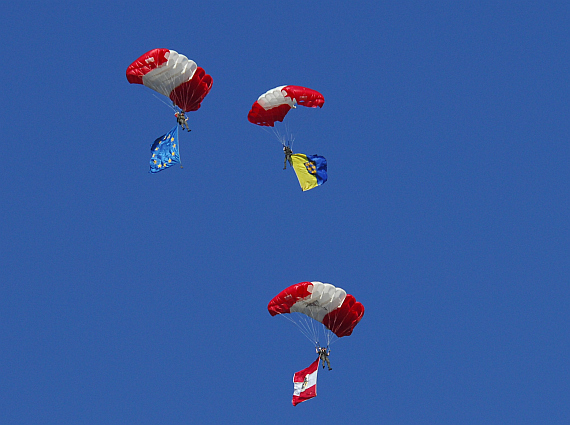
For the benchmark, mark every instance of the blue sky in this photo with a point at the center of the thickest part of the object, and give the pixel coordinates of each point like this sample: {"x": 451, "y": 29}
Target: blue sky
{"x": 134, "y": 298}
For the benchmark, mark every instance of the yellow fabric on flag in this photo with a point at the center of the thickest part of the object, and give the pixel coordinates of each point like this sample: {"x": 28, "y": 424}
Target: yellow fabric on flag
{"x": 302, "y": 167}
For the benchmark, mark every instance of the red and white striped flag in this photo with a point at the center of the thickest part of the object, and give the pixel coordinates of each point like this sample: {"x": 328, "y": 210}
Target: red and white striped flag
{"x": 305, "y": 383}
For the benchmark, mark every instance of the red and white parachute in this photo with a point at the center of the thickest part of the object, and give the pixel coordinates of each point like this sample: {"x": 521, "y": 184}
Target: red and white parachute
{"x": 338, "y": 311}
{"x": 173, "y": 75}
{"x": 274, "y": 105}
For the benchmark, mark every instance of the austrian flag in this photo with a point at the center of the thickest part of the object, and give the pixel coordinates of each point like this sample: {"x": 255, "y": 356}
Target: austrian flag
{"x": 305, "y": 383}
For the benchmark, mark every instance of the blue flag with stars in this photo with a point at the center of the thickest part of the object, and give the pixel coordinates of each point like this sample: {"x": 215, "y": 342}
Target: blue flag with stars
{"x": 165, "y": 151}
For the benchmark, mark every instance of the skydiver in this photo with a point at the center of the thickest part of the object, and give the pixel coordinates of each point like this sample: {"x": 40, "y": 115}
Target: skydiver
{"x": 288, "y": 153}
{"x": 182, "y": 120}
{"x": 324, "y": 356}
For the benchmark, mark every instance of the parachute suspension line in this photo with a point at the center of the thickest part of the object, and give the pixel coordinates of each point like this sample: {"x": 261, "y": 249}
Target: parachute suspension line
{"x": 329, "y": 335}
{"x": 335, "y": 324}
{"x": 280, "y": 138}
{"x": 315, "y": 326}
{"x": 174, "y": 108}
{"x": 290, "y": 136}
{"x": 310, "y": 327}
{"x": 164, "y": 86}
{"x": 309, "y": 324}
{"x": 303, "y": 327}
{"x": 285, "y": 138}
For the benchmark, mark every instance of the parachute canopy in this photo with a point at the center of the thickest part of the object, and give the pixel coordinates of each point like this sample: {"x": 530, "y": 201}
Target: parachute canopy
{"x": 333, "y": 307}
{"x": 274, "y": 105}
{"x": 173, "y": 75}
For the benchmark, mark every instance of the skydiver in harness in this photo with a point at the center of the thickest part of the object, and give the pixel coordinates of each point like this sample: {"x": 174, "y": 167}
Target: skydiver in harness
{"x": 288, "y": 153}
{"x": 182, "y": 120}
{"x": 324, "y": 356}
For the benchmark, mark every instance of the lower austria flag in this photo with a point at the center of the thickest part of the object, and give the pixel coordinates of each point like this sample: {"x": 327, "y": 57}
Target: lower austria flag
{"x": 311, "y": 170}
{"x": 305, "y": 383}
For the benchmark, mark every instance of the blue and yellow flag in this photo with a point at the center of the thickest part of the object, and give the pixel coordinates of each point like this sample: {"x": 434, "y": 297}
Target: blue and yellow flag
{"x": 165, "y": 151}
{"x": 311, "y": 170}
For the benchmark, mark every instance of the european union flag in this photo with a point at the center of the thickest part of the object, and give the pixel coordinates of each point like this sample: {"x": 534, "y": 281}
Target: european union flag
{"x": 311, "y": 170}
{"x": 165, "y": 151}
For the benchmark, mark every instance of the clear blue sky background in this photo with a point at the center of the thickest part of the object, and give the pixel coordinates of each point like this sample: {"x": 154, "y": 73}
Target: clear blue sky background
{"x": 131, "y": 298}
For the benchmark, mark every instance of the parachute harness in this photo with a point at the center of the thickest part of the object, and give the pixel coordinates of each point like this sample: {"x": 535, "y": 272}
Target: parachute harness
{"x": 324, "y": 353}
{"x": 288, "y": 152}
{"x": 182, "y": 120}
